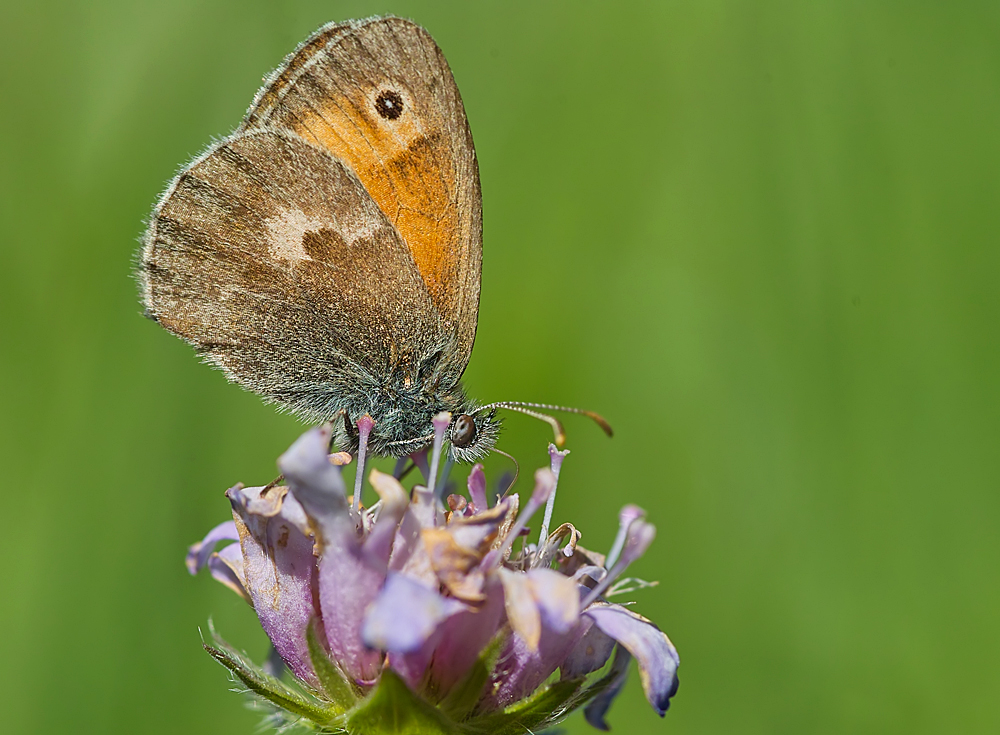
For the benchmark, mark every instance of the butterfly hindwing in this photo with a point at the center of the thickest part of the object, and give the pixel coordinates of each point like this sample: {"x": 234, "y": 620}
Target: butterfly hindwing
{"x": 271, "y": 258}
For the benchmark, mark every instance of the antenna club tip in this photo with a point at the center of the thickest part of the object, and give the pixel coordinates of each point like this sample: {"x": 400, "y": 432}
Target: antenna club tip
{"x": 600, "y": 421}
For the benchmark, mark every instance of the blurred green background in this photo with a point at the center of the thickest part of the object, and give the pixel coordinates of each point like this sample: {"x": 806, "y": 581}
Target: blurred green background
{"x": 760, "y": 237}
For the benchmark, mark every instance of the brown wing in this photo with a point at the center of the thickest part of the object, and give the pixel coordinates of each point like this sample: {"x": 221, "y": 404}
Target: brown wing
{"x": 378, "y": 95}
{"x": 269, "y": 256}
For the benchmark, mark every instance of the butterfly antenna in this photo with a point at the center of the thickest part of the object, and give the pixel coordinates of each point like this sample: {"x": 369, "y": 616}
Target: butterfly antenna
{"x": 592, "y": 415}
{"x": 517, "y": 471}
{"x": 526, "y": 408}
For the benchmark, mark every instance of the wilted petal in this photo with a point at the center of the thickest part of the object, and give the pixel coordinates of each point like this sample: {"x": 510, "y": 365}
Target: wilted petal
{"x": 540, "y": 598}
{"x": 279, "y": 569}
{"x": 580, "y": 557}
{"x": 456, "y": 550}
{"x": 598, "y": 707}
{"x": 198, "y": 553}
{"x": 405, "y": 614}
{"x": 455, "y": 565}
{"x": 226, "y": 566}
{"x": 657, "y": 657}
{"x": 457, "y": 503}
{"x": 522, "y": 610}
{"x": 480, "y": 531}
{"x": 546, "y": 552}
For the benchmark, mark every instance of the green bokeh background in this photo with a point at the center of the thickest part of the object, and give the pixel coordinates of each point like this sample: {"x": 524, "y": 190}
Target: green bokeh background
{"x": 760, "y": 237}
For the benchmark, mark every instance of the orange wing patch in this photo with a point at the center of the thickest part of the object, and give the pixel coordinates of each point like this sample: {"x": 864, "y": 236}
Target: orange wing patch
{"x": 408, "y": 171}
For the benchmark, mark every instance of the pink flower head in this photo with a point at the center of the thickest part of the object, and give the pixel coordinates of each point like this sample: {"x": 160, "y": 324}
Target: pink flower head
{"x": 417, "y": 609}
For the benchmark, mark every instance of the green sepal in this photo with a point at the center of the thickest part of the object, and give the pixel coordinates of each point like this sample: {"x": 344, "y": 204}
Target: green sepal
{"x": 342, "y": 696}
{"x": 392, "y": 709}
{"x": 266, "y": 686}
{"x": 545, "y": 707}
{"x": 463, "y": 697}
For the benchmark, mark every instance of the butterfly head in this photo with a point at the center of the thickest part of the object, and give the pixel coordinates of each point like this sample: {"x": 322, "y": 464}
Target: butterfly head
{"x": 473, "y": 434}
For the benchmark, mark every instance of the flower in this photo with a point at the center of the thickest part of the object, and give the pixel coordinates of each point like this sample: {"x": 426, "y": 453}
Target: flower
{"x": 418, "y": 615}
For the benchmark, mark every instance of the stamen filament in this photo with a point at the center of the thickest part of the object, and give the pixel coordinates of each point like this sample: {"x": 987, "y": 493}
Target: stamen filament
{"x": 555, "y": 463}
{"x": 640, "y": 536}
{"x": 441, "y": 423}
{"x": 365, "y": 425}
{"x": 625, "y": 517}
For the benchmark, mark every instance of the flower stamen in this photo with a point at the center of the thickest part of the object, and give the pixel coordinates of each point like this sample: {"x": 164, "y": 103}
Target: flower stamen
{"x": 441, "y": 423}
{"x": 640, "y": 536}
{"x": 556, "y": 458}
{"x": 365, "y": 425}
{"x": 625, "y": 517}
{"x": 545, "y": 483}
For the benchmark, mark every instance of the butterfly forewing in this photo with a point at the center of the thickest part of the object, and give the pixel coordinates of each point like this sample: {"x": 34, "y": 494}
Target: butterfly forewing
{"x": 381, "y": 98}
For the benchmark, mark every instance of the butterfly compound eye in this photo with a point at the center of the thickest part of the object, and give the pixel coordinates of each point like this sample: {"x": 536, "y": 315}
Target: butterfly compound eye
{"x": 463, "y": 431}
{"x": 389, "y": 104}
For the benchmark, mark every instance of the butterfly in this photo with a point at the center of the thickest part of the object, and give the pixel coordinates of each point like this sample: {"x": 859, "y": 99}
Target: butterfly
{"x": 327, "y": 255}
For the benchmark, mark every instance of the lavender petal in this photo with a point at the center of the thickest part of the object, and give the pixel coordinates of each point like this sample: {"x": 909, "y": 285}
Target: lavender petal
{"x": 657, "y": 657}
{"x": 590, "y": 653}
{"x": 405, "y": 615}
{"x": 198, "y": 554}
{"x": 598, "y": 707}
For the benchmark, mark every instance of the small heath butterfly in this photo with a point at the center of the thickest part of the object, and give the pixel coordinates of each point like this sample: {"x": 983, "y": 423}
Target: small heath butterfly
{"x": 327, "y": 254}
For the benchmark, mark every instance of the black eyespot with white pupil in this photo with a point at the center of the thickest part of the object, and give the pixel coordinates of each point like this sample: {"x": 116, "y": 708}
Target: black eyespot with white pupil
{"x": 389, "y": 104}
{"x": 463, "y": 431}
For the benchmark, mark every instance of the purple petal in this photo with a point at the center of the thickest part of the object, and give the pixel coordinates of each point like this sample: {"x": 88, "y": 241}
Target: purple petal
{"x": 405, "y": 614}
{"x": 279, "y": 570}
{"x": 407, "y": 550}
{"x": 558, "y": 599}
{"x": 409, "y": 553}
{"x": 657, "y": 657}
{"x": 477, "y": 488}
{"x": 521, "y": 671}
{"x": 598, "y": 707}
{"x": 347, "y": 584}
{"x": 198, "y": 553}
{"x": 466, "y": 635}
{"x": 306, "y": 465}
{"x": 395, "y": 500}
{"x": 589, "y": 654}
{"x": 626, "y": 515}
